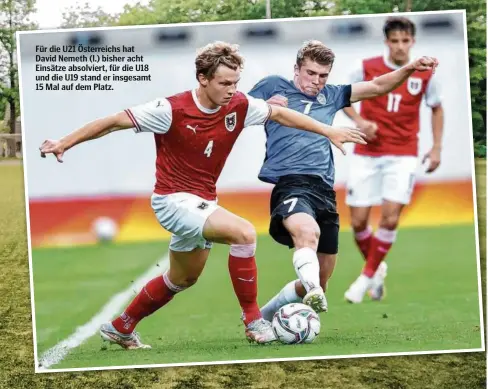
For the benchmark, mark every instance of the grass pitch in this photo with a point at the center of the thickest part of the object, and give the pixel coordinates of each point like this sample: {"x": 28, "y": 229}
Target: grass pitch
{"x": 16, "y": 351}
{"x": 432, "y": 302}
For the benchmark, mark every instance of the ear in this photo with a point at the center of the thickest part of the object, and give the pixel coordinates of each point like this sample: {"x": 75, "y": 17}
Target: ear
{"x": 296, "y": 70}
{"x": 202, "y": 80}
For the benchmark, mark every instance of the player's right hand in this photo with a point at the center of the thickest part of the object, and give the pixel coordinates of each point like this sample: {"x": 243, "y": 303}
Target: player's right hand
{"x": 425, "y": 63}
{"x": 52, "y": 147}
{"x": 340, "y": 135}
{"x": 369, "y": 129}
{"x": 278, "y": 100}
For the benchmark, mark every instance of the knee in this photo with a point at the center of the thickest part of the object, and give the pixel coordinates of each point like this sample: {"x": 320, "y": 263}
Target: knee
{"x": 359, "y": 224}
{"x": 389, "y": 222}
{"x": 246, "y": 235}
{"x": 306, "y": 235}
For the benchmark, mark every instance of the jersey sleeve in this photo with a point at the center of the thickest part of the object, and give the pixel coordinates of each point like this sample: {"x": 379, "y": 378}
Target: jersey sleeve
{"x": 258, "y": 112}
{"x": 265, "y": 88}
{"x": 433, "y": 96}
{"x": 155, "y": 116}
{"x": 357, "y": 75}
{"x": 341, "y": 96}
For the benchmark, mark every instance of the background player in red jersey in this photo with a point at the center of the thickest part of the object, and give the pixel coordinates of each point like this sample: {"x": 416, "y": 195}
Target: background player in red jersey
{"x": 194, "y": 132}
{"x": 383, "y": 171}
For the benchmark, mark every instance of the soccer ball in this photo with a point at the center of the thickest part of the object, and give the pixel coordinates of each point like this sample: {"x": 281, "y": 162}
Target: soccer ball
{"x": 296, "y": 323}
{"x": 105, "y": 229}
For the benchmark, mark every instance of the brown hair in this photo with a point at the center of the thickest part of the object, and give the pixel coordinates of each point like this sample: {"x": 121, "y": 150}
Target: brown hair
{"x": 315, "y": 51}
{"x": 218, "y": 53}
{"x": 398, "y": 23}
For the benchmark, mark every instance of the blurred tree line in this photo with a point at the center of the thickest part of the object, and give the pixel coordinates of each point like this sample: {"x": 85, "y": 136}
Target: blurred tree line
{"x": 15, "y": 14}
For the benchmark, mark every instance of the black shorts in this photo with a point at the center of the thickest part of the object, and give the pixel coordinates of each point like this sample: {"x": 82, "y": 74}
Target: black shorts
{"x": 311, "y": 195}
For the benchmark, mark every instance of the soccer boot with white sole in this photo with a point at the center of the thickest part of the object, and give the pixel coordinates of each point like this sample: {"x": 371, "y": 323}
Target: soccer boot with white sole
{"x": 377, "y": 291}
{"x": 260, "y": 331}
{"x": 128, "y": 341}
{"x": 358, "y": 289}
{"x": 316, "y": 300}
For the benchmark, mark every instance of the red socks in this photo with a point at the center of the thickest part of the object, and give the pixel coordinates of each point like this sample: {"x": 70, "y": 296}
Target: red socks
{"x": 244, "y": 276}
{"x": 160, "y": 291}
{"x": 380, "y": 244}
{"x": 154, "y": 295}
{"x": 363, "y": 241}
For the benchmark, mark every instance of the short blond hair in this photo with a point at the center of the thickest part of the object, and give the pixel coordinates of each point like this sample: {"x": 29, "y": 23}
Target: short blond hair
{"x": 315, "y": 51}
{"x": 210, "y": 57}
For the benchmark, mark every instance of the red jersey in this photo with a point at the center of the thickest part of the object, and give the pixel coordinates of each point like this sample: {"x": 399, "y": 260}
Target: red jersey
{"x": 193, "y": 142}
{"x": 397, "y": 114}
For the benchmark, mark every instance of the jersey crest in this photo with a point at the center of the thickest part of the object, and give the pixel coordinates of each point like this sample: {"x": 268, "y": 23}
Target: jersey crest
{"x": 230, "y": 121}
{"x": 321, "y": 98}
{"x": 414, "y": 85}
{"x": 397, "y": 114}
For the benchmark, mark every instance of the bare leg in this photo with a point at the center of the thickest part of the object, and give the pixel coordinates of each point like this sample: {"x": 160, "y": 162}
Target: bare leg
{"x": 224, "y": 227}
{"x": 305, "y": 233}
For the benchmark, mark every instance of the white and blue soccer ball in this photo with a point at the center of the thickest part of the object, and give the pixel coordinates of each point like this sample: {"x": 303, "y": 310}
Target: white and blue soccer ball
{"x": 296, "y": 323}
{"x": 105, "y": 229}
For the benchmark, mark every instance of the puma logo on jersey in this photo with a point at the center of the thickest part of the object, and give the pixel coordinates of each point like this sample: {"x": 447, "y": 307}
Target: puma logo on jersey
{"x": 194, "y": 129}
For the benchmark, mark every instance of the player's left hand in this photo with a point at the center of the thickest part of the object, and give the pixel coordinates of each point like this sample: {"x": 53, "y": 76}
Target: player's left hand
{"x": 434, "y": 156}
{"x": 425, "y": 63}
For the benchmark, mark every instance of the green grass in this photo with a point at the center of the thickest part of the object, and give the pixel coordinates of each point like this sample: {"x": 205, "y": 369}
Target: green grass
{"x": 432, "y": 302}
{"x": 481, "y": 195}
{"x": 450, "y": 371}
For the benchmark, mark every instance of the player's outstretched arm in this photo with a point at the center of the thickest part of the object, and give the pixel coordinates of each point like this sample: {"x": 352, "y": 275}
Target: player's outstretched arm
{"x": 390, "y": 81}
{"x": 92, "y": 130}
{"x": 337, "y": 135}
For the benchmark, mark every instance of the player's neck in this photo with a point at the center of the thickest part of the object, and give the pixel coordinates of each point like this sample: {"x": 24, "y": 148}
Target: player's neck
{"x": 204, "y": 100}
{"x": 398, "y": 63}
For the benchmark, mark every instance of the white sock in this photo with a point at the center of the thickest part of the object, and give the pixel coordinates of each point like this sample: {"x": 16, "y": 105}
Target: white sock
{"x": 307, "y": 267}
{"x": 287, "y": 295}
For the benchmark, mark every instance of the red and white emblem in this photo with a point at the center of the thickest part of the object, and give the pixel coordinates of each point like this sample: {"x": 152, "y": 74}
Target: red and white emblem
{"x": 230, "y": 121}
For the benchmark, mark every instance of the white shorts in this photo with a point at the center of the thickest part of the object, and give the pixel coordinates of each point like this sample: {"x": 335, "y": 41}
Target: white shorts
{"x": 374, "y": 179}
{"x": 184, "y": 215}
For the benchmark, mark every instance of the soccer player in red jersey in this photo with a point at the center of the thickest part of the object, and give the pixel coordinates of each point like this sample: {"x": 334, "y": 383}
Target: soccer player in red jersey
{"x": 382, "y": 172}
{"x": 194, "y": 133}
